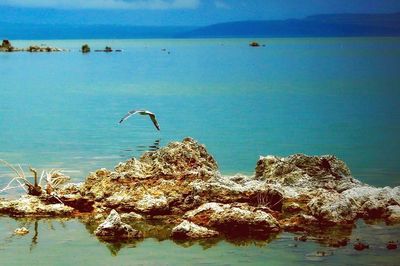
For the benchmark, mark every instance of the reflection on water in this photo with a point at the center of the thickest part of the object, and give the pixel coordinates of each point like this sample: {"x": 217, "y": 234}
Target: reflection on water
{"x": 35, "y": 236}
{"x": 49, "y": 237}
{"x": 140, "y": 149}
{"x": 155, "y": 146}
{"x": 32, "y": 224}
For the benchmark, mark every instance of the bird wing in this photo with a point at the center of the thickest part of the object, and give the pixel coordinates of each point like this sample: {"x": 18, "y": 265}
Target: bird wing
{"x": 129, "y": 114}
{"x": 153, "y": 118}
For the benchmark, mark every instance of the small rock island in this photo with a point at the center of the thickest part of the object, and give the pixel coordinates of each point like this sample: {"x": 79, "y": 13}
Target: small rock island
{"x": 7, "y": 47}
{"x": 181, "y": 186}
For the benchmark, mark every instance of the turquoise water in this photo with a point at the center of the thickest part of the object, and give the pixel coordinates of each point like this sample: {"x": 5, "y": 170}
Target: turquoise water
{"x": 315, "y": 96}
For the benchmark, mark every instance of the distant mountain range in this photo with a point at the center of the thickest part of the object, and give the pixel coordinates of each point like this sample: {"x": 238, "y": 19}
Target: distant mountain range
{"x": 331, "y": 25}
{"x": 319, "y": 25}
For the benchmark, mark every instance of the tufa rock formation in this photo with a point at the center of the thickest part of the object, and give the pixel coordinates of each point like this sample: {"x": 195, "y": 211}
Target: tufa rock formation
{"x": 33, "y": 206}
{"x": 189, "y": 230}
{"x": 181, "y": 185}
{"x": 7, "y": 47}
{"x": 113, "y": 228}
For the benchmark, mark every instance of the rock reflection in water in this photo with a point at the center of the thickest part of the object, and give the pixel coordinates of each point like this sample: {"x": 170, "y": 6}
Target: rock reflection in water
{"x": 139, "y": 149}
{"x": 377, "y": 234}
{"x": 160, "y": 227}
{"x": 32, "y": 224}
{"x": 153, "y": 147}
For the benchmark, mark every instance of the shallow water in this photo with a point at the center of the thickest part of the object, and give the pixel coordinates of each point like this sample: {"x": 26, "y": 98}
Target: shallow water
{"x": 316, "y": 96}
{"x": 69, "y": 243}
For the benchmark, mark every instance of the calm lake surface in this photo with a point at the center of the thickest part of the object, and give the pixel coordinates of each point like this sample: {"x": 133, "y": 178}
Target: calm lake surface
{"x": 316, "y": 96}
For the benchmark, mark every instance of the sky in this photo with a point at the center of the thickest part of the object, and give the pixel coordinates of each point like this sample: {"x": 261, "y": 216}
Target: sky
{"x": 178, "y": 12}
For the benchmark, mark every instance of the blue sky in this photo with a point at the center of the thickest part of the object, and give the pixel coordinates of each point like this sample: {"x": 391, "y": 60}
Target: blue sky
{"x": 178, "y": 12}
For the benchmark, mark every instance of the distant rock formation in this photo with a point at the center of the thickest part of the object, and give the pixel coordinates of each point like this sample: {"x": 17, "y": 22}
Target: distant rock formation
{"x": 7, "y": 47}
{"x": 35, "y": 48}
{"x": 254, "y": 44}
{"x": 85, "y": 49}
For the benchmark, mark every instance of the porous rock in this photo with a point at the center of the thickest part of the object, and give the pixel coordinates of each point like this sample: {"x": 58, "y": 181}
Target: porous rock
{"x": 131, "y": 216}
{"x": 151, "y": 204}
{"x": 394, "y": 214}
{"x": 114, "y": 228}
{"x": 177, "y": 160}
{"x": 32, "y": 206}
{"x": 230, "y": 216}
{"x": 306, "y": 172}
{"x": 188, "y": 229}
{"x": 21, "y": 231}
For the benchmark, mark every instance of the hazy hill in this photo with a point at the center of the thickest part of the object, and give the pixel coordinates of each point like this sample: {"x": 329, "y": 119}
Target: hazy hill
{"x": 317, "y": 25}
{"x": 55, "y": 31}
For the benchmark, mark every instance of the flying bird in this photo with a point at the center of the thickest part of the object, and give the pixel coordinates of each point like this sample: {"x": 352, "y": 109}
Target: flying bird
{"x": 141, "y": 112}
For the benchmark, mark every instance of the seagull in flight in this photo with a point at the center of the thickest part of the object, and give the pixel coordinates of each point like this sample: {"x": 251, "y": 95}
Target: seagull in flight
{"x": 141, "y": 112}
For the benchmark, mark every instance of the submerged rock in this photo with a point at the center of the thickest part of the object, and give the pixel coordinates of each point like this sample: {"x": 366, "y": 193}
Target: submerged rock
{"x": 21, "y": 231}
{"x": 360, "y": 246}
{"x": 113, "y": 228}
{"x": 188, "y": 229}
{"x": 391, "y": 245}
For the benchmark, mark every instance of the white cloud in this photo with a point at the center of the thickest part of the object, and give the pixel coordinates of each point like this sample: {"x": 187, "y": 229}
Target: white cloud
{"x": 104, "y": 4}
{"x": 221, "y": 4}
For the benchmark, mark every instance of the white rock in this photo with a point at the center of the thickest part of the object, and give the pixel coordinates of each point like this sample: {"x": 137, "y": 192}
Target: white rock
{"x": 21, "y": 231}
{"x": 150, "y": 203}
{"x": 188, "y": 229}
{"x": 114, "y": 228}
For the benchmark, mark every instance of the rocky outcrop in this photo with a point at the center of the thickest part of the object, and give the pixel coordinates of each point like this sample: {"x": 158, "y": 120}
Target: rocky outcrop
{"x": 181, "y": 181}
{"x": 156, "y": 182}
{"x": 187, "y": 230}
{"x": 178, "y": 160}
{"x": 228, "y": 217}
{"x": 33, "y": 206}
{"x": 35, "y": 48}
{"x": 85, "y": 49}
{"x": 7, "y": 47}
{"x": 393, "y": 214}
{"x": 254, "y": 44}
{"x": 152, "y": 204}
{"x": 131, "y": 216}
{"x": 114, "y": 229}
{"x": 305, "y": 173}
